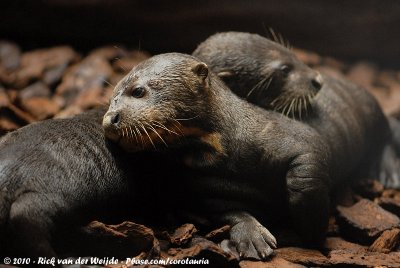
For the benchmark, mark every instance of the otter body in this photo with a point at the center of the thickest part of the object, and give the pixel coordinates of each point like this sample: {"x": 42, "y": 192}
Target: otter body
{"x": 57, "y": 175}
{"x": 269, "y": 75}
{"x": 239, "y": 164}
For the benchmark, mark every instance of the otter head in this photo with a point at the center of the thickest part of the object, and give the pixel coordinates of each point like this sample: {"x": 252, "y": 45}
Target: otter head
{"x": 159, "y": 101}
{"x": 261, "y": 71}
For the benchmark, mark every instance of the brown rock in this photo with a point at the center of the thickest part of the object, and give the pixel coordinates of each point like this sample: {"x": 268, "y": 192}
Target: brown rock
{"x": 219, "y": 234}
{"x": 387, "y": 242}
{"x": 92, "y": 73}
{"x": 334, "y": 64}
{"x": 343, "y": 258}
{"x": 307, "y": 257}
{"x": 10, "y": 55}
{"x": 48, "y": 64}
{"x": 363, "y": 73}
{"x": 368, "y": 188}
{"x": 338, "y": 243}
{"x": 333, "y": 228}
{"x": 38, "y": 89}
{"x": 126, "y": 63}
{"x": 41, "y": 108}
{"x": 125, "y": 239}
{"x": 183, "y": 234}
{"x": 310, "y": 58}
{"x": 69, "y": 112}
{"x": 392, "y": 193}
{"x": 275, "y": 262}
{"x": 365, "y": 221}
{"x": 109, "y": 53}
{"x": 204, "y": 249}
{"x": 390, "y": 204}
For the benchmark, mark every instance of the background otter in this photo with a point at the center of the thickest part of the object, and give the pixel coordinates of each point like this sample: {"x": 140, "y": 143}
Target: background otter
{"x": 269, "y": 75}
{"x": 57, "y": 175}
{"x": 240, "y": 164}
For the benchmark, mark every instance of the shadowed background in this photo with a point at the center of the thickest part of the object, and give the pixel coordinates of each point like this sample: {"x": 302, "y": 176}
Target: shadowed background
{"x": 349, "y": 30}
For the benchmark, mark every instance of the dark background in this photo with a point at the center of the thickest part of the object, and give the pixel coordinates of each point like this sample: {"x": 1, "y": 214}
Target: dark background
{"x": 349, "y": 30}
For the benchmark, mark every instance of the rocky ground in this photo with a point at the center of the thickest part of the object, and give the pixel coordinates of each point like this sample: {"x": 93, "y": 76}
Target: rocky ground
{"x": 59, "y": 82}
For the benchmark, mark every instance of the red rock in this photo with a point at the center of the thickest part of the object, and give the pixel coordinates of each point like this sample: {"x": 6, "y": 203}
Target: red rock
{"x": 49, "y": 63}
{"x": 310, "y": 58}
{"x": 38, "y": 89}
{"x": 204, "y": 249}
{"x": 183, "y": 234}
{"x": 92, "y": 73}
{"x": 391, "y": 193}
{"x": 109, "y": 53}
{"x": 69, "y": 112}
{"x": 368, "y": 188}
{"x": 219, "y": 234}
{"x": 125, "y": 239}
{"x": 275, "y": 262}
{"x": 307, "y": 257}
{"x": 365, "y": 221}
{"x": 363, "y": 73}
{"x": 387, "y": 242}
{"x": 343, "y": 258}
{"x": 10, "y": 55}
{"x": 338, "y": 243}
{"x": 390, "y": 204}
{"x": 334, "y": 64}
{"x": 41, "y": 108}
{"x": 126, "y": 63}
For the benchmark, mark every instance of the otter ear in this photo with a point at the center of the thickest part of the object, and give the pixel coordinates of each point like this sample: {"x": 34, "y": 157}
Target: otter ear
{"x": 201, "y": 70}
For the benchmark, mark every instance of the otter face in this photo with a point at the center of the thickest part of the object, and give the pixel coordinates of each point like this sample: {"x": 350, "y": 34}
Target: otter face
{"x": 261, "y": 71}
{"x": 157, "y": 102}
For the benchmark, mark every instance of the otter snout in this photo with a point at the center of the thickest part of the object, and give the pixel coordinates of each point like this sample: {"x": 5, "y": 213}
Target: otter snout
{"x": 111, "y": 121}
{"x": 317, "y": 82}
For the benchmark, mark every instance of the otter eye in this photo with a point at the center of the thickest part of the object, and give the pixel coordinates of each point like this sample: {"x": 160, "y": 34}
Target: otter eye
{"x": 285, "y": 69}
{"x": 138, "y": 92}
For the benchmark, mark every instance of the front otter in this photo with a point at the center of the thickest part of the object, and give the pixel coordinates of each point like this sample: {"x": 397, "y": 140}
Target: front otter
{"x": 347, "y": 116}
{"x": 240, "y": 165}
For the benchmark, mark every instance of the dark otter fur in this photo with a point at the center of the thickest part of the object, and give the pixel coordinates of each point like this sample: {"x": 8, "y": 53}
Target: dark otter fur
{"x": 347, "y": 116}
{"x": 58, "y": 175}
{"x": 241, "y": 165}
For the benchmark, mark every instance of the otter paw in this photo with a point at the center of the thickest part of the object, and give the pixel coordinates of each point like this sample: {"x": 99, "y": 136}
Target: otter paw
{"x": 252, "y": 240}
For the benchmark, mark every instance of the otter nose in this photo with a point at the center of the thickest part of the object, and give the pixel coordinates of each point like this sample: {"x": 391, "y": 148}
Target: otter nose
{"x": 111, "y": 119}
{"x": 115, "y": 118}
{"x": 317, "y": 82}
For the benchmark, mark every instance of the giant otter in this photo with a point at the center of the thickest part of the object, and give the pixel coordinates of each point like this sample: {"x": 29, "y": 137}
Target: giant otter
{"x": 58, "y": 175}
{"x": 239, "y": 164}
{"x": 269, "y": 75}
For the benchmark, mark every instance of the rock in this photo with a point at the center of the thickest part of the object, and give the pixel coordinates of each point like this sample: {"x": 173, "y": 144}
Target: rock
{"x": 338, "y": 243}
{"x": 125, "y": 239}
{"x": 390, "y": 204}
{"x": 109, "y": 53}
{"x": 92, "y": 73}
{"x": 39, "y": 107}
{"x": 203, "y": 249}
{"x": 365, "y": 221}
{"x": 47, "y": 64}
{"x": 307, "y": 257}
{"x": 126, "y": 63}
{"x": 368, "y": 188}
{"x": 275, "y": 262}
{"x": 183, "y": 234}
{"x": 310, "y": 58}
{"x": 38, "y": 89}
{"x": 69, "y": 112}
{"x": 344, "y": 258}
{"x": 219, "y": 234}
{"x": 363, "y": 73}
{"x": 10, "y": 55}
{"x": 387, "y": 242}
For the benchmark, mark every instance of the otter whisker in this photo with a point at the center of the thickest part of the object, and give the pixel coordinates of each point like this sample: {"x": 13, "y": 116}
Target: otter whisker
{"x": 185, "y": 119}
{"x": 256, "y": 86}
{"x": 158, "y": 124}
{"x": 265, "y": 88}
{"x": 133, "y": 133}
{"x": 104, "y": 80}
{"x": 140, "y": 135}
{"x": 144, "y": 129}
{"x": 155, "y": 131}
